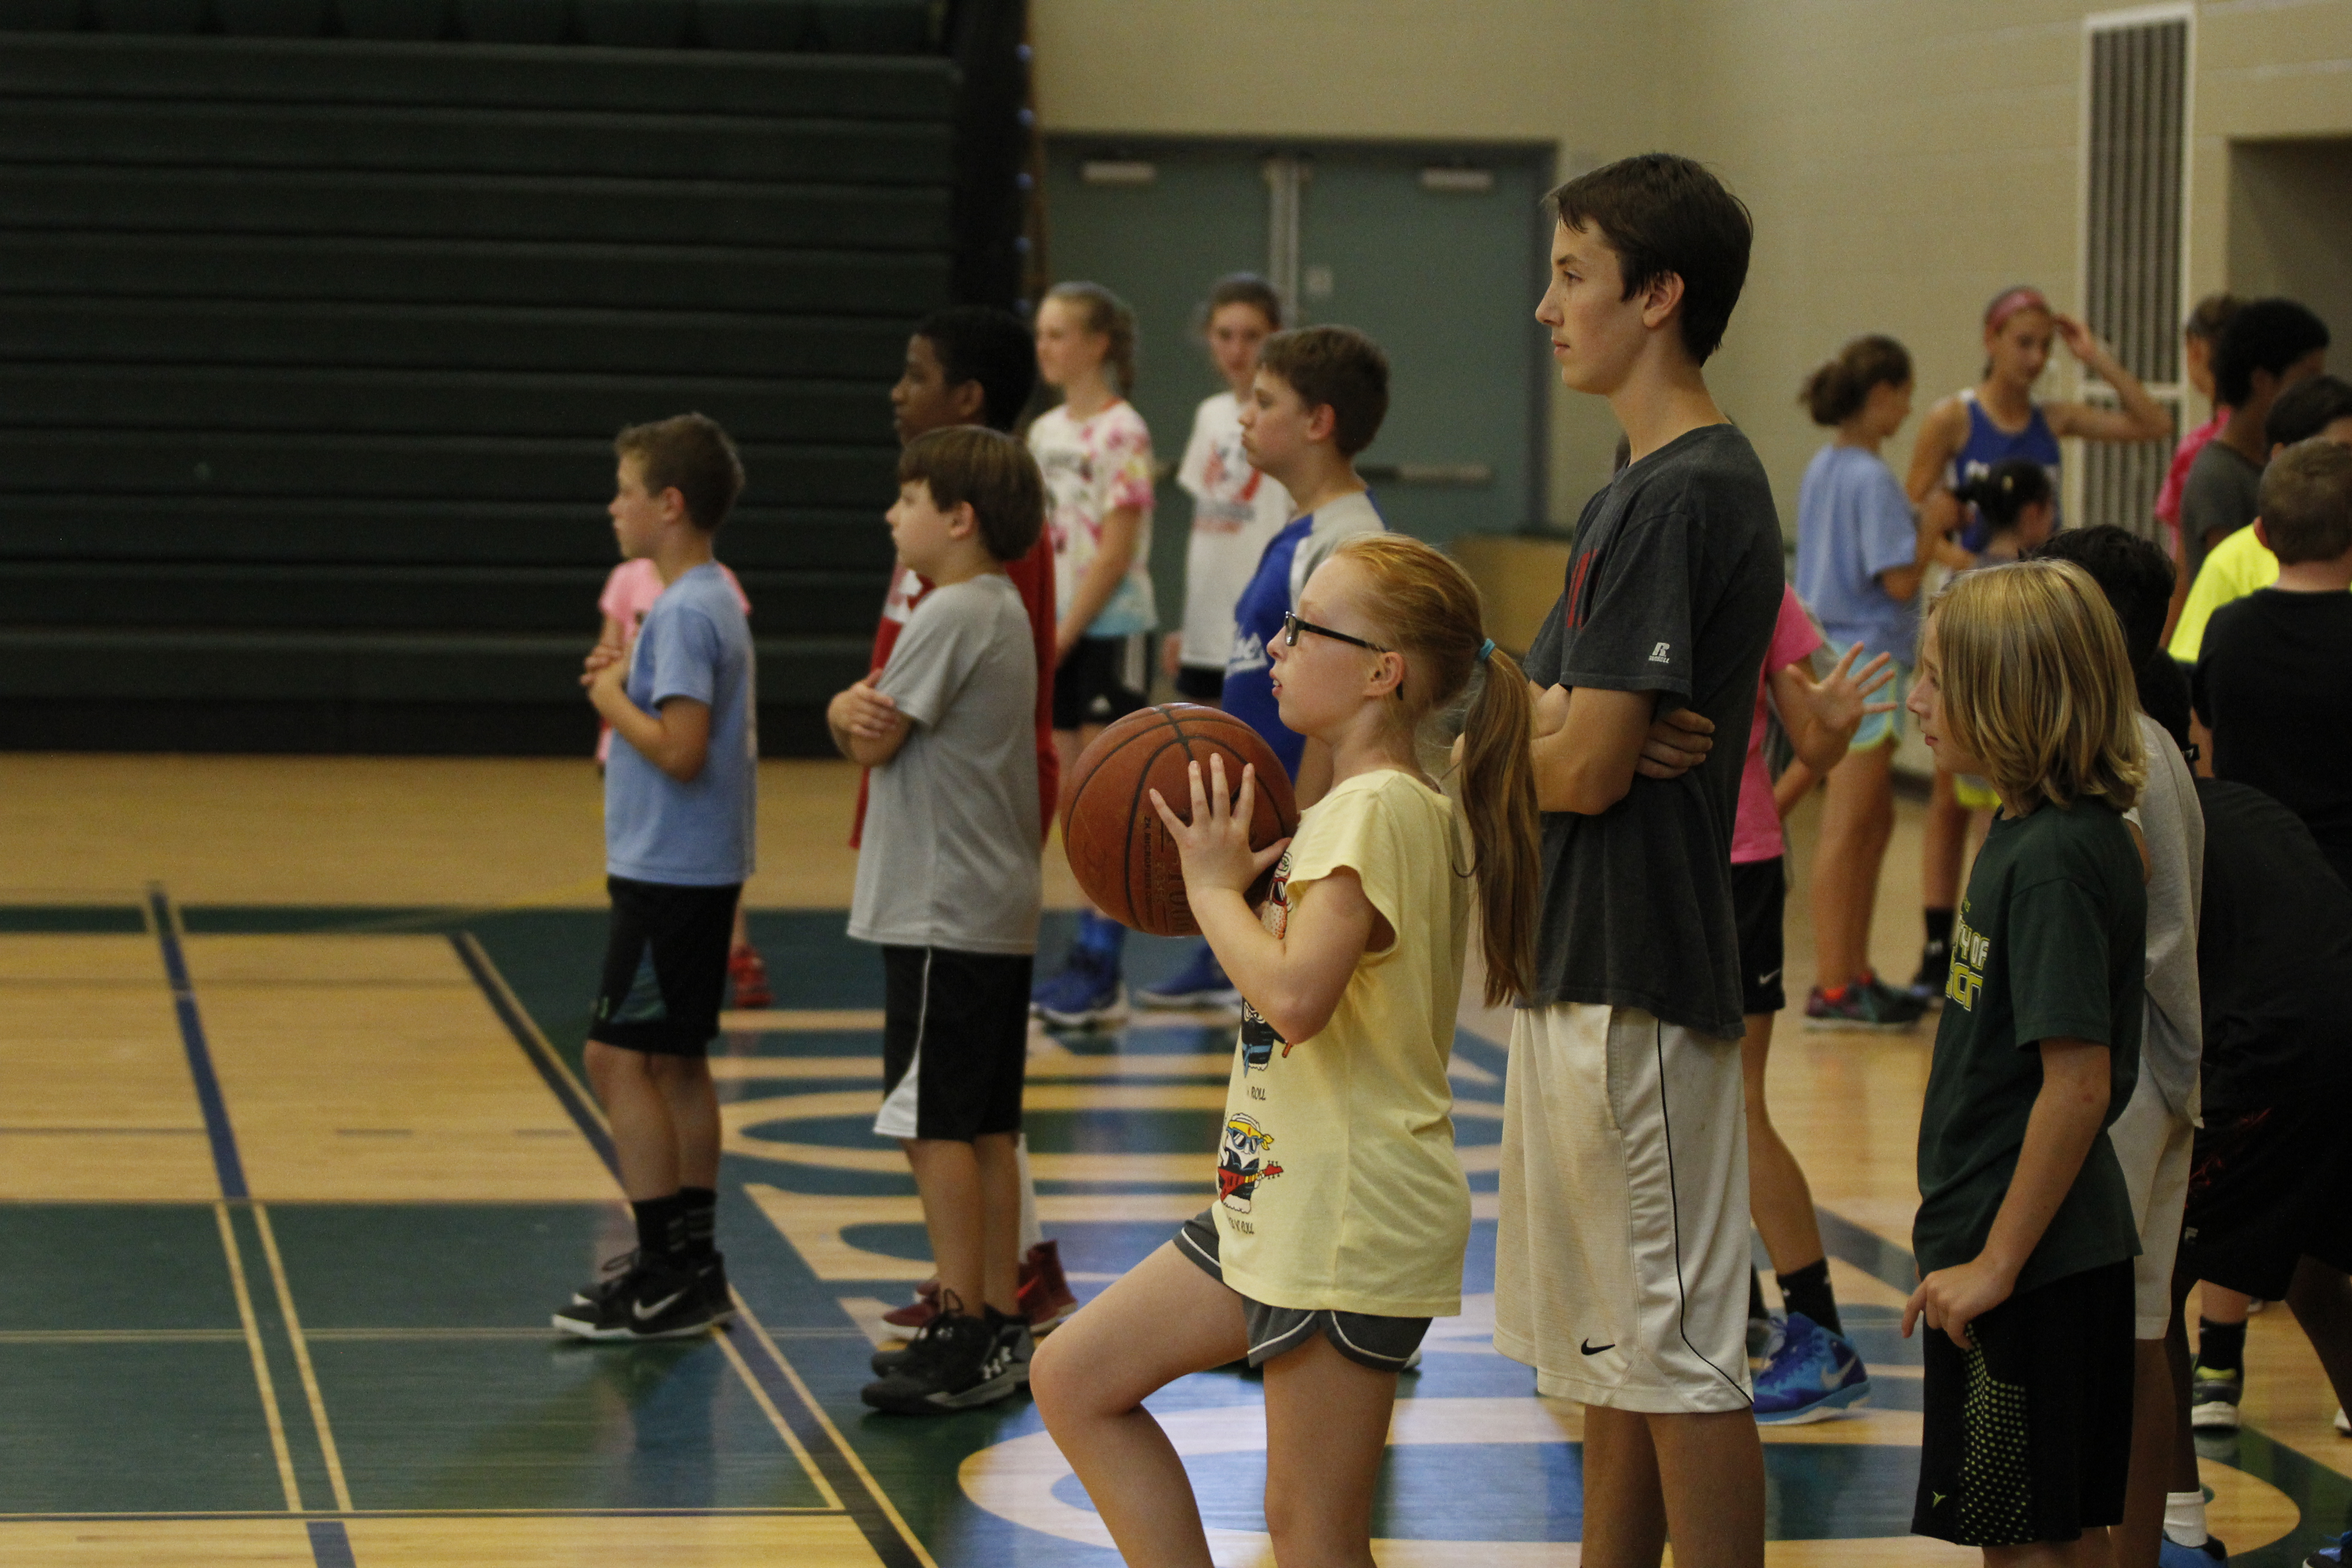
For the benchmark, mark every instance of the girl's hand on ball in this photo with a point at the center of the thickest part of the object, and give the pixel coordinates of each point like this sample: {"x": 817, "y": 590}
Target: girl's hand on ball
{"x": 1215, "y": 845}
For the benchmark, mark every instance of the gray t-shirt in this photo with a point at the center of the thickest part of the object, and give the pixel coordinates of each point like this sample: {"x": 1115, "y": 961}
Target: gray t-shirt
{"x": 2218, "y": 497}
{"x": 950, "y": 854}
{"x": 2172, "y": 1035}
{"x": 1673, "y": 587}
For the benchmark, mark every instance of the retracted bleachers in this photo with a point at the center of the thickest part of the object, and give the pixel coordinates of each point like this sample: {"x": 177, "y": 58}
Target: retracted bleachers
{"x": 311, "y": 352}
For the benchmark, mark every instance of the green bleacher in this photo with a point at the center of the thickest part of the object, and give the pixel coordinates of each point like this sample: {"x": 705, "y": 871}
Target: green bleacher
{"x": 317, "y": 317}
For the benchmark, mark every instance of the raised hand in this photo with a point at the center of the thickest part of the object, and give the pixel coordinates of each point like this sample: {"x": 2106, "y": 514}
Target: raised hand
{"x": 1839, "y": 700}
{"x": 1215, "y": 845}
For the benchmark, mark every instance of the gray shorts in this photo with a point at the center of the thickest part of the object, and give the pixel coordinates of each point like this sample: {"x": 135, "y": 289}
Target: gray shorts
{"x": 1384, "y": 1345}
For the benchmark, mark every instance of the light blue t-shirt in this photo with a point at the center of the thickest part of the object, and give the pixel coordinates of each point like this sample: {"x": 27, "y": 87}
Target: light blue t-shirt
{"x": 695, "y": 643}
{"x": 1854, "y": 521}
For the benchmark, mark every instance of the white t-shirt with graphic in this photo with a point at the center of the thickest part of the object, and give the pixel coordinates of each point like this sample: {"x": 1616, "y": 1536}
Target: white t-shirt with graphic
{"x": 1235, "y": 510}
{"x": 1092, "y": 468}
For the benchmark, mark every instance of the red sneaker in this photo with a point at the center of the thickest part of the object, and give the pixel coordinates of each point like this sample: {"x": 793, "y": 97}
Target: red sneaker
{"x": 918, "y": 1311}
{"x": 1045, "y": 1295}
{"x": 746, "y": 980}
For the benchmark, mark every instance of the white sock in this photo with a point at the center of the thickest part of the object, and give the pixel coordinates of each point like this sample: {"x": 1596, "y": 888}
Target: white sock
{"x": 2184, "y": 1518}
{"x": 1030, "y": 1233}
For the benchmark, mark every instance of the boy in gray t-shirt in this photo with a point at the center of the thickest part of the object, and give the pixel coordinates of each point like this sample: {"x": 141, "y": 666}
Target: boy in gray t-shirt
{"x": 948, "y": 885}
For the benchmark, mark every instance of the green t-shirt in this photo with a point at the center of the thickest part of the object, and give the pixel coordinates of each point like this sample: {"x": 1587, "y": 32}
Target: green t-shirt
{"x": 2050, "y": 944}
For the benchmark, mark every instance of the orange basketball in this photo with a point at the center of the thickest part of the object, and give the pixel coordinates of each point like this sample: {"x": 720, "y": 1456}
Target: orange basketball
{"x": 1120, "y": 849}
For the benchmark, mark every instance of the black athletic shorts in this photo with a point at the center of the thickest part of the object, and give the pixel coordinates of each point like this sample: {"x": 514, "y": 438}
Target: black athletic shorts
{"x": 1760, "y": 895}
{"x": 955, "y": 1042}
{"x": 1195, "y": 683}
{"x": 2028, "y": 1436}
{"x": 2267, "y": 1187}
{"x": 665, "y": 967}
{"x": 1384, "y": 1345}
{"x": 1103, "y": 680}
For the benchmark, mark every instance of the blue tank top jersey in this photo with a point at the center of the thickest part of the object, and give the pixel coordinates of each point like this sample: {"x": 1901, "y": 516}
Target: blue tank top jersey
{"x": 1989, "y": 444}
{"x": 1257, "y": 621}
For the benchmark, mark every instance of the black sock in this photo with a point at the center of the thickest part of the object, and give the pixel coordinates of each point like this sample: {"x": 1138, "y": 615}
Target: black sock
{"x": 1755, "y": 1296}
{"x": 702, "y": 1205}
{"x": 1807, "y": 1290}
{"x": 2221, "y": 1346}
{"x": 1939, "y": 934}
{"x": 660, "y": 1225}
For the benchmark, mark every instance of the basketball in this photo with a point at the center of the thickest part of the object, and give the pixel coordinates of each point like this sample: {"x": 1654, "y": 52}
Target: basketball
{"x": 1121, "y": 852}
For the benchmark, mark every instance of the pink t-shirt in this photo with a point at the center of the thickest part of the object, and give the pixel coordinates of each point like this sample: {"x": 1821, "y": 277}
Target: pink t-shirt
{"x": 1756, "y": 833}
{"x": 628, "y": 593}
{"x": 2176, "y": 478}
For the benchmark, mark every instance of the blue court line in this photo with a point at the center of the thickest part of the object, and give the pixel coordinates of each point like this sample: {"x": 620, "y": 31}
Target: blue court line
{"x": 863, "y": 1506}
{"x": 330, "y": 1545}
{"x": 225, "y": 1163}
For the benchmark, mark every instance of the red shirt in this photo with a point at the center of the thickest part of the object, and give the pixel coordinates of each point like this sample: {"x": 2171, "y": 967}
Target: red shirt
{"x": 1034, "y": 576}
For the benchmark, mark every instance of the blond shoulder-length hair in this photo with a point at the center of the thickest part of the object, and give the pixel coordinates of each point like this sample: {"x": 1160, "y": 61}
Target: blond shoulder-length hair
{"x": 2036, "y": 683}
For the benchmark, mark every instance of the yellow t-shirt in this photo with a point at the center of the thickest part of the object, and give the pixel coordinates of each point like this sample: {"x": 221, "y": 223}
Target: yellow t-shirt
{"x": 1337, "y": 1181}
{"x": 2233, "y": 569}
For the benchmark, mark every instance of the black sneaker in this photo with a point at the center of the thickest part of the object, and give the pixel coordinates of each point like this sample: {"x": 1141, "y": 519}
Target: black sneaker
{"x": 1927, "y": 988}
{"x": 657, "y": 1298}
{"x": 617, "y": 1272}
{"x": 1011, "y": 1329}
{"x": 960, "y": 1363}
{"x": 716, "y": 1295}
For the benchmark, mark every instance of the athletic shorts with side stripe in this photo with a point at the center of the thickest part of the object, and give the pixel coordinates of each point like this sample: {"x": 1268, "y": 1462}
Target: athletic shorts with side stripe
{"x": 955, "y": 1043}
{"x": 1620, "y": 1266}
{"x": 1384, "y": 1345}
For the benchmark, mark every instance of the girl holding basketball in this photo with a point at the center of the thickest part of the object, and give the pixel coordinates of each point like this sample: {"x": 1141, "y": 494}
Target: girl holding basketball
{"x": 1341, "y": 1213}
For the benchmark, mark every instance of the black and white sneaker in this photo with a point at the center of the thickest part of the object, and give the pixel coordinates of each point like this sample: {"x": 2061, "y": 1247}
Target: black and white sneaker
{"x": 656, "y": 1298}
{"x": 716, "y": 1295}
{"x": 1015, "y": 1330}
{"x": 958, "y": 1362}
{"x": 617, "y": 1271}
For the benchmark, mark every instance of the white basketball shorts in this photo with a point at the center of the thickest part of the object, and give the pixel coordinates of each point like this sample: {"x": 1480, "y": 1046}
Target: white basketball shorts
{"x": 2153, "y": 1146}
{"x": 1621, "y": 1271}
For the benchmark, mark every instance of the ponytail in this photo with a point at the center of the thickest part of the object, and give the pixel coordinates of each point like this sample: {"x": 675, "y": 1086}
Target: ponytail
{"x": 1110, "y": 317}
{"x": 2002, "y": 493}
{"x": 1836, "y": 392}
{"x": 1499, "y": 796}
{"x": 1429, "y": 607}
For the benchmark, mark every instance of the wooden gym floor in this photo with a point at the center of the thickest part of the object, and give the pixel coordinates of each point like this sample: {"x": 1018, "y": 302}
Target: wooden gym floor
{"x": 294, "y": 1161}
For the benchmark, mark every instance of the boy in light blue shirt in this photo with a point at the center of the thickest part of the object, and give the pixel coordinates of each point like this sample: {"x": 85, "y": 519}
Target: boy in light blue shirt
{"x": 680, "y": 794}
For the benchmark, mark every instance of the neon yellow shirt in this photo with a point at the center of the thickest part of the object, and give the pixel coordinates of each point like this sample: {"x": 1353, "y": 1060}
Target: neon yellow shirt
{"x": 2233, "y": 569}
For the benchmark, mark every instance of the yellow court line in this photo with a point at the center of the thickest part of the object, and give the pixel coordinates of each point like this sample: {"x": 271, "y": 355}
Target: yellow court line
{"x": 302, "y": 1361}
{"x": 538, "y": 1040}
{"x": 873, "y": 1486}
{"x": 261, "y": 1362}
{"x": 368, "y": 1336}
{"x": 776, "y": 1419}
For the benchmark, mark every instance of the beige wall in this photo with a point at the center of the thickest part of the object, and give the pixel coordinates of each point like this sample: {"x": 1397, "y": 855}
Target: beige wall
{"x": 1904, "y": 160}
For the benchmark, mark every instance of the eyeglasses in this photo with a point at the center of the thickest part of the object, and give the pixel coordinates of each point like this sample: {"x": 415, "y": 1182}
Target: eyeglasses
{"x": 1292, "y": 626}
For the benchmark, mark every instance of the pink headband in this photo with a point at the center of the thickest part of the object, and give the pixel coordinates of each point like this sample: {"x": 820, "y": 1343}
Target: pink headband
{"x": 2011, "y": 303}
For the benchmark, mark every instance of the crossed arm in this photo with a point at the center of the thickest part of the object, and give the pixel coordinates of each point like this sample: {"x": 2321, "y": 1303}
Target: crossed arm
{"x": 866, "y": 726}
{"x": 675, "y": 738}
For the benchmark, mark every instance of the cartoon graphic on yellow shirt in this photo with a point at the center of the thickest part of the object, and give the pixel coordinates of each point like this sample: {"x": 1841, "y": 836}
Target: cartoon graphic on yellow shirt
{"x": 1243, "y": 1164}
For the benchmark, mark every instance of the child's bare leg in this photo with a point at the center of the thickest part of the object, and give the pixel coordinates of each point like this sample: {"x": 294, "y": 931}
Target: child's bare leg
{"x": 1163, "y": 1319}
{"x": 2321, "y": 1299}
{"x": 2091, "y": 1551}
{"x": 1779, "y": 1198}
{"x": 998, "y": 1157}
{"x": 2139, "y": 1538}
{"x": 1711, "y": 1474}
{"x": 645, "y": 1140}
{"x": 693, "y": 1105}
{"x": 1846, "y": 864}
{"x": 2216, "y": 1305}
{"x": 1624, "y": 1511}
{"x": 743, "y": 937}
{"x": 947, "y": 1175}
{"x": 1327, "y": 1424}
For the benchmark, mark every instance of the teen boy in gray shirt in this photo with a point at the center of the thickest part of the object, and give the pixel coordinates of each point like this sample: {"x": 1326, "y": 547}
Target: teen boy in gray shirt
{"x": 948, "y": 885}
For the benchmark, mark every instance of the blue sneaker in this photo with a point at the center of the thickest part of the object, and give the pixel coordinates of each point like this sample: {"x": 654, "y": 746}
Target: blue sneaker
{"x": 1811, "y": 1375}
{"x": 2170, "y": 1553}
{"x": 2327, "y": 1556}
{"x": 1200, "y": 984}
{"x": 1085, "y": 994}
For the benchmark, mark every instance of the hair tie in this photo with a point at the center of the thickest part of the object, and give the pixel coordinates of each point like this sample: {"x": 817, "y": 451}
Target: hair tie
{"x": 2010, "y": 302}
{"x": 1485, "y": 648}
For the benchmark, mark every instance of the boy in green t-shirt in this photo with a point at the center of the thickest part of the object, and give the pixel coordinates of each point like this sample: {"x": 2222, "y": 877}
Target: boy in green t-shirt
{"x": 2024, "y": 1235}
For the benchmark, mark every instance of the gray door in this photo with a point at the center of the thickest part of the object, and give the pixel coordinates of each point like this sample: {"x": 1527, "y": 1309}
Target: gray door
{"x": 1438, "y": 254}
